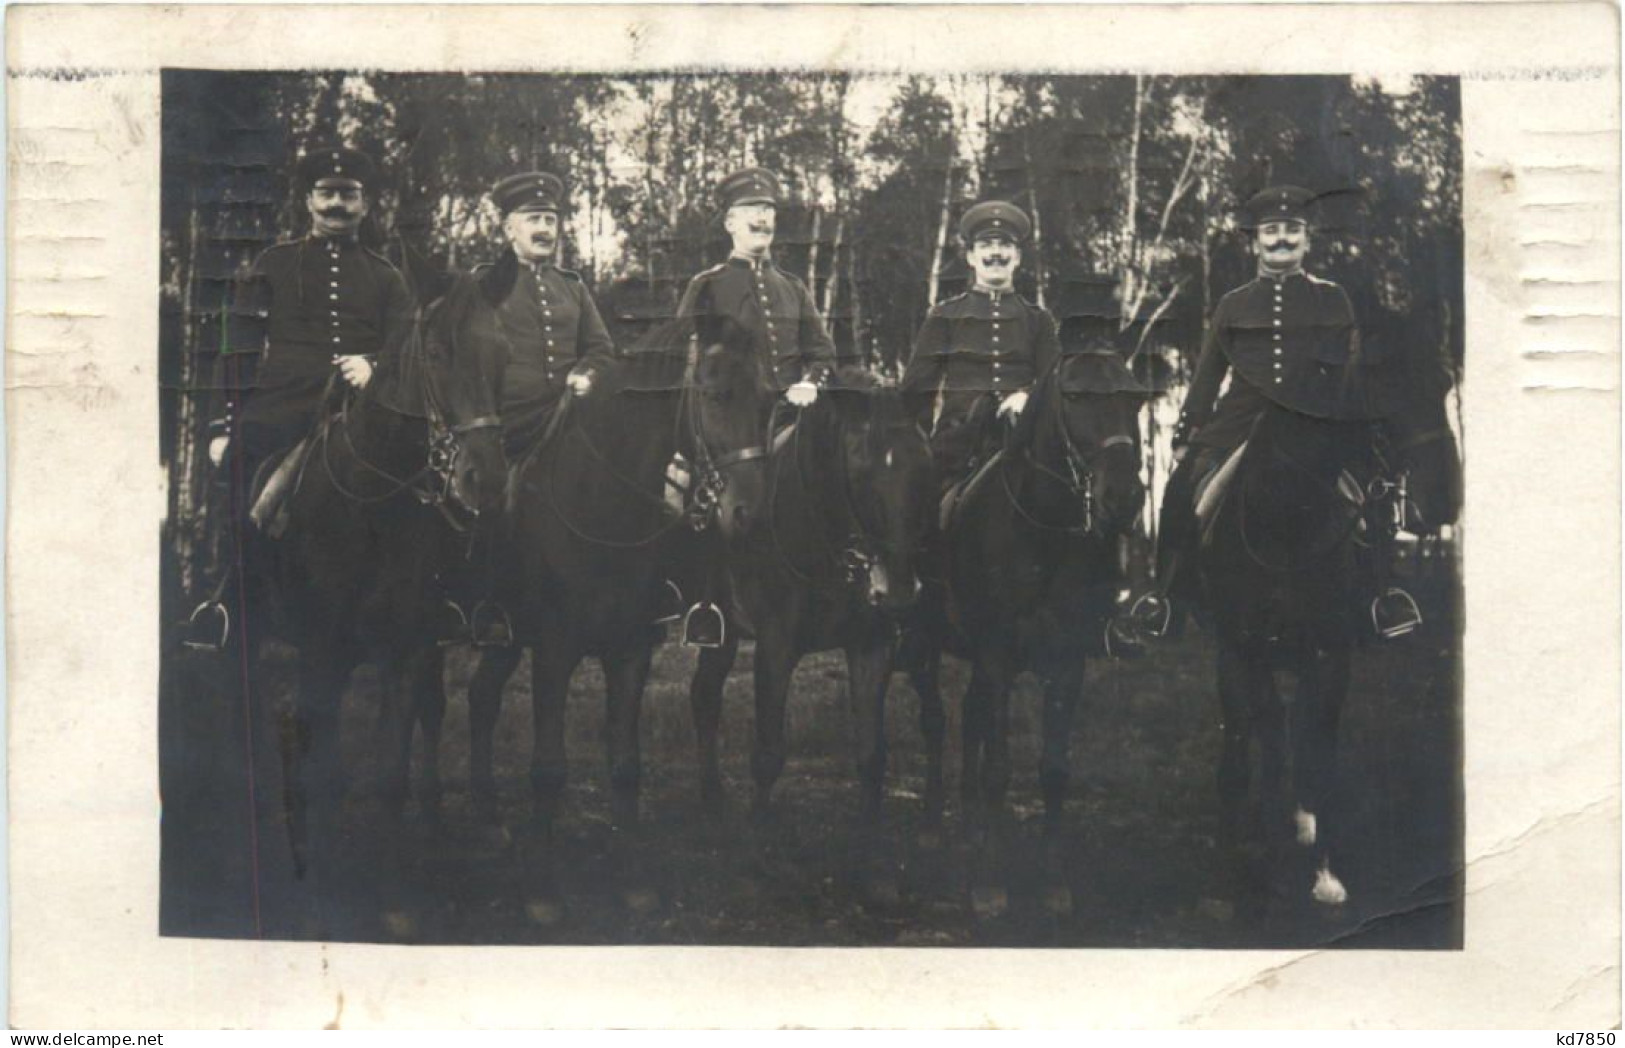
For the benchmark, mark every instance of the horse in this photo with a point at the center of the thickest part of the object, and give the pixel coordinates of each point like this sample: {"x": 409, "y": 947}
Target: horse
{"x": 1029, "y": 566}
{"x": 828, "y": 560}
{"x": 392, "y": 484}
{"x": 593, "y": 536}
{"x": 1280, "y": 567}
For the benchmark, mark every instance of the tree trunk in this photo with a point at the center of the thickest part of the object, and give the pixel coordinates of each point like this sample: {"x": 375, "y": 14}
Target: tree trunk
{"x": 940, "y": 251}
{"x": 834, "y": 266}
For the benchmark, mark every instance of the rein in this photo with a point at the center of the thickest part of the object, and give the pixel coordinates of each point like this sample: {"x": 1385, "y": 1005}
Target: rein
{"x": 1080, "y": 485}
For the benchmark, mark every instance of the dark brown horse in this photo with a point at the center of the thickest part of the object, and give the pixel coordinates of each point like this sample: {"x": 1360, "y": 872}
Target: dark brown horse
{"x": 1029, "y": 571}
{"x": 1283, "y": 571}
{"x": 592, "y": 538}
{"x": 827, "y": 560}
{"x": 381, "y": 510}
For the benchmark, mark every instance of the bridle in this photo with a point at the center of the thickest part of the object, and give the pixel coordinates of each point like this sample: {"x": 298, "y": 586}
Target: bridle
{"x": 709, "y": 478}
{"x": 434, "y": 484}
{"x": 1078, "y": 480}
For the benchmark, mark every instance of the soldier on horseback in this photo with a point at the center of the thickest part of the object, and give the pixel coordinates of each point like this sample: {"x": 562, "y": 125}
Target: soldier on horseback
{"x": 553, "y": 336}
{"x": 770, "y": 305}
{"x": 979, "y": 353}
{"x": 1287, "y": 337}
{"x": 322, "y": 311}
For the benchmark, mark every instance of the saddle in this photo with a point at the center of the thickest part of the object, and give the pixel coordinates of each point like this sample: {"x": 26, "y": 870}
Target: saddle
{"x": 960, "y": 490}
{"x": 1211, "y": 490}
{"x": 1214, "y": 489}
{"x": 274, "y": 482}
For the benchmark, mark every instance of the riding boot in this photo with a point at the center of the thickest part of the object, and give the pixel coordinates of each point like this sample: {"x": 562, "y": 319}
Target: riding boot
{"x": 1392, "y": 611}
{"x": 1158, "y": 614}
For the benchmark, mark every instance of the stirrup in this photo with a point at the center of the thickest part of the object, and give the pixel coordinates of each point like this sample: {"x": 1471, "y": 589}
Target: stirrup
{"x": 489, "y": 626}
{"x": 671, "y": 607}
{"x": 1151, "y": 614}
{"x": 453, "y": 624}
{"x": 196, "y": 623}
{"x": 704, "y": 626}
{"x": 1394, "y": 614}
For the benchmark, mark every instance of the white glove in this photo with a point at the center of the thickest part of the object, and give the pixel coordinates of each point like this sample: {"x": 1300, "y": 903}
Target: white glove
{"x": 217, "y": 449}
{"x": 580, "y": 382}
{"x": 357, "y": 370}
{"x": 1010, "y": 407}
{"x": 801, "y": 394}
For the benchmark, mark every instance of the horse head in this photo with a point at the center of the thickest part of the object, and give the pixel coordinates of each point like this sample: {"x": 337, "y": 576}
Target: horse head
{"x": 462, "y": 391}
{"x": 1083, "y": 426}
{"x": 887, "y": 500}
{"x": 731, "y": 397}
{"x": 1427, "y": 454}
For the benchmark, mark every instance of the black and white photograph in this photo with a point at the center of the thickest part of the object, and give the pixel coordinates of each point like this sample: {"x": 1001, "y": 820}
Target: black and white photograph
{"x": 792, "y": 508}
{"x": 776, "y": 516}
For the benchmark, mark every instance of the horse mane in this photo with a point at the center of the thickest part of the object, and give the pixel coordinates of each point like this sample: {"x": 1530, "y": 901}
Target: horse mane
{"x": 1096, "y": 370}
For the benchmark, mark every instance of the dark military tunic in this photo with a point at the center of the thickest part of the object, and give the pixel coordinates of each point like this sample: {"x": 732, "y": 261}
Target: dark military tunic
{"x": 976, "y": 343}
{"x": 774, "y": 307}
{"x": 1291, "y": 341}
{"x": 305, "y": 302}
{"x": 546, "y": 321}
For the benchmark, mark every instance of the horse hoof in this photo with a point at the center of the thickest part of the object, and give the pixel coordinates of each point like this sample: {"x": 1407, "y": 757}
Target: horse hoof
{"x": 989, "y": 904}
{"x": 1306, "y": 827}
{"x": 1058, "y": 900}
{"x": 399, "y": 925}
{"x": 641, "y": 901}
{"x": 1329, "y": 891}
{"x": 544, "y": 913}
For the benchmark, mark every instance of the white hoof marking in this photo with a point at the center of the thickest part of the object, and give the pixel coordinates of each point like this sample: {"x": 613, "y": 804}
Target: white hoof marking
{"x": 1306, "y": 827}
{"x": 1328, "y": 889}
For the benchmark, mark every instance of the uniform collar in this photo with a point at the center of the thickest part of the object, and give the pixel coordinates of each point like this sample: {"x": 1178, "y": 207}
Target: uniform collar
{"x": 1271, "y": 278}
{"x": 992, "y": 294}
{"x": 538, "y": 268}
{"x": 757, "y": 264}
{"x": 340, "y": 242}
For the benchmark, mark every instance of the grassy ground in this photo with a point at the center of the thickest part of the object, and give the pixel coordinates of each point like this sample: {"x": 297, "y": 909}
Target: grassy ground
{"x": 1141, "y": 849}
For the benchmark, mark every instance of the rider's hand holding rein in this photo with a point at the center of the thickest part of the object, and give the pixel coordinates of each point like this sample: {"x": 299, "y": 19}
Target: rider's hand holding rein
{"x": 356, "y": 369}
{"x": 580, "y": 383}
{"x": 802, "y": 394}
{"x": 1011, "y": 407}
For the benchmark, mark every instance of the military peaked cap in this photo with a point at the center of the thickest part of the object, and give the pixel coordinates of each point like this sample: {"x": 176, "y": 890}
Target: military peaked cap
{"x": 531, "y": 191}
{"x": 753, "y": 185}
{"x": 995, "y": 216}
{"x": 331, "y": 160}
{"x": 1277, "y": 204}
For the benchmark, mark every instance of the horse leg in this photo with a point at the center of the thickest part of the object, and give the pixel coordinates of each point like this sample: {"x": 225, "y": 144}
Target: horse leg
{"x": 315, "y": 784}
{"x": 430, "y": 692}
{"x": 625, "y": 673}
{"x": 491, "y": 675}
{"x": 1322, "y": 689}
{"x": 705, "y": 698}
{"x": 549, "y": 683}
{"x": 927, "y": 682}
{"x": 991, "y": 684}
{"x": 1244, "y": 688}
{"x": 775, "y": 662}
{"x": 402, "y": 702}
{"x": 868, "y": 674}
{"x": 1054, "y": 777}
